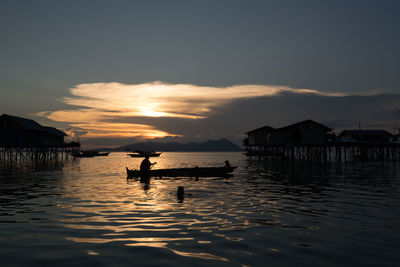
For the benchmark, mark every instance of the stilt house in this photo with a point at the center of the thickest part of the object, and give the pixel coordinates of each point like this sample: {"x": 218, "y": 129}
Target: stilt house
{"x": 306, "y": 132}
{"x": 21, "y": 132}
{"x": 366, "y": 136}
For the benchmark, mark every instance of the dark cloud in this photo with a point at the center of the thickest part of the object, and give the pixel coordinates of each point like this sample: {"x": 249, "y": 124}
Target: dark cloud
{"x": 234, "y": 119}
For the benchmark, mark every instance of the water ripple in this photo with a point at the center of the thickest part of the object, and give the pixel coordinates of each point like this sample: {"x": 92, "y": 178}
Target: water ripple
{"x": 269, "y": 211}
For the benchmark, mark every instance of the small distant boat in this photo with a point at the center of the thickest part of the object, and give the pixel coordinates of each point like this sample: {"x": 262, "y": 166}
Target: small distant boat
{"x": 142, "y": 154}
{"x": 89, "y": 154}
{"x": 185, "y": 172}
{"x": 81, "y": 155}
{"x": 104, "y": 154}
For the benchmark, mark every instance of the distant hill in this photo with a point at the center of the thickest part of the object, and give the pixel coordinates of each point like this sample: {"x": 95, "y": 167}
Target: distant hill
{"x": 221, "y": 145}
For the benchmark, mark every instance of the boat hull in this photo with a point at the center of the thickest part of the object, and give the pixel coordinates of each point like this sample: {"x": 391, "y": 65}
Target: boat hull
{"x": 184, "y": 172}
{"x": 89, "y": 154}
{"x": 143, "y": 155}
{"x": 82, "y": 155}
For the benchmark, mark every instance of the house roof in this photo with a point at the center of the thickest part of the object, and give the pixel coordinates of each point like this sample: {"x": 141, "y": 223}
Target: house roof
{"x": 269, "y": 128}
{"x": 54, "y": 131}
{"x": 266, "y": 128}
{"x": 326, "y": 128}
{"x": 365, "y": 133}
{"x": 28, "y": 124}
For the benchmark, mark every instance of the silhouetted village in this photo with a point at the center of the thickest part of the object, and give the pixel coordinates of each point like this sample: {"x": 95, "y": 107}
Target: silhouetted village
{"x": 22, "y": 139}
{"x": 312, "y": 141}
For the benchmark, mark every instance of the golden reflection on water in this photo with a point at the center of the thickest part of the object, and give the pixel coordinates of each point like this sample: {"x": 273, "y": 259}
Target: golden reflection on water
{"x": 117, "y": 229}
{"x": 152, "y": 244}
{"x": 93, "y": 253}
{"x": 142, "y": 240}
{"x": 206, "y": 256}
{"x": 99, "y": 199}
{"x": 201, "y": 255}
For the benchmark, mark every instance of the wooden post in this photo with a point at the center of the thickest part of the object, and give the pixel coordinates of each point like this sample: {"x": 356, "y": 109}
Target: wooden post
{"x": 180, "y": 193}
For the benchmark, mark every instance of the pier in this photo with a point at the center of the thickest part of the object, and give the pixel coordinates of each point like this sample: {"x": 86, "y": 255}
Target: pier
{"x": 340, "y": 152}
{"x": 10, "y": 154}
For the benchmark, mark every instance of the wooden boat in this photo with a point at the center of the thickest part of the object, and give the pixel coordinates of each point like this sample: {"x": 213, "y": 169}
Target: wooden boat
{"x": 81, "y": 155}
{"x": 142, "y": 154}
{"x": 104, "y": 154}
{"x": 89, "y": 154}
{"x": 185, "y": 172}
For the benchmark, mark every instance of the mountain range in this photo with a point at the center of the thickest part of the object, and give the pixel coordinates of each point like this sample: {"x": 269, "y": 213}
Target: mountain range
{"x": 221, "y": 145}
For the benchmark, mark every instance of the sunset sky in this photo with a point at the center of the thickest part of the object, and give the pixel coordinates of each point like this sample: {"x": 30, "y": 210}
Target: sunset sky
{"x": 117, "y": 72}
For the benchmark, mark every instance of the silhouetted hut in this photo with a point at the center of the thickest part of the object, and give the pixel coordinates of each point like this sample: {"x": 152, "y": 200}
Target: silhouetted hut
{"x": 306, "y": 132}
{"x": 366, "y": 136}
{"x": 260, "y": 136}
{"x": 21, "y": 132}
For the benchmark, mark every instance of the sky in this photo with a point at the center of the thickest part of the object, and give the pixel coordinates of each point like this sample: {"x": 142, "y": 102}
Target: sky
{"x": 118, "y": 72}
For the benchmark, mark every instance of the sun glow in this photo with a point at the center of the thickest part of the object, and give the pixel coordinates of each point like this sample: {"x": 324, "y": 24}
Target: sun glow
{"x": 100, "y": 107}
{"x": 124, "y": 130}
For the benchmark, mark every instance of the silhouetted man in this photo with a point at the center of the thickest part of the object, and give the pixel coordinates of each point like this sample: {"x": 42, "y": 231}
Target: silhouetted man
{"x": 227, "y": 164}
{"x": 145, "y": 166}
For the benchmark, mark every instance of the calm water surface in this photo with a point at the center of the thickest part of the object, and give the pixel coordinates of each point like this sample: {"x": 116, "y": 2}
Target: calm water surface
{"x": 86, "y": 212}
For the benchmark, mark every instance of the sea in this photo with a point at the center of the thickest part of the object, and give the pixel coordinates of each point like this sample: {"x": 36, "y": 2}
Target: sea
{"x": 85, "y": 212}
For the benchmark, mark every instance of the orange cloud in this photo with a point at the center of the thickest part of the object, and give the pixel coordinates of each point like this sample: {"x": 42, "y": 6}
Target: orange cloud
{"x": 101, "y": 129}
{"x": 98, "y": 102}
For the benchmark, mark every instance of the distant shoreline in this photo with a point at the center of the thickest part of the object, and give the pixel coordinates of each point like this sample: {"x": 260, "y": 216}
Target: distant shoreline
{"x": 221, "y": 145}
